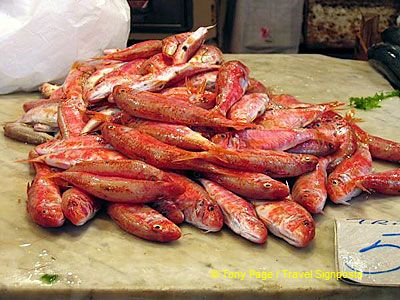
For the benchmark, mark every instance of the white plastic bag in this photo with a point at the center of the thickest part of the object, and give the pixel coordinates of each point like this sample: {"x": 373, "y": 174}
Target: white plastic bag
{"x": 40, "y": 39}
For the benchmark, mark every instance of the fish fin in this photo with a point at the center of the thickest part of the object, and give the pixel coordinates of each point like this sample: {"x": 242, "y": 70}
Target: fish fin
{"x": 361, "y": 187}
{"x": 241, "y": 126}
{"x": 190, "y": 156}
{"x": 98, "y": 116}
{"x": 350, "y": 117}
{"x": 30, "y": 160}
{"x": 202, "y": 155}
{"x": 218, "y": 149}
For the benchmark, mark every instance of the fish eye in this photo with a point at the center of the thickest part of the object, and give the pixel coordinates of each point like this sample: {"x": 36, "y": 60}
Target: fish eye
{"x": 157, "y": 227}
{"x": 307, "y": 158}
{"x": 331, "y": 146}
{"x": 335, "y": 182}
{"x": 306, "y": 223}
{"x": 223, "y": 135}
{"x": 110, "y": 127}
{"x": 211, "y": 208}
{"x": 267, "y": 185}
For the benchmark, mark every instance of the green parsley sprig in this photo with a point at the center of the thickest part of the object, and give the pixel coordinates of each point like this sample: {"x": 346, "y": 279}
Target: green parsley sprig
{"x": 49, "y": 278}
{"x": 371, "y": 102}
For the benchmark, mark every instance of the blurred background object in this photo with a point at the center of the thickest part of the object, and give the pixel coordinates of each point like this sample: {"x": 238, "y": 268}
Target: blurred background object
{"x": 275, "y": 26}
{"x": 156, "y": 19}
{"x": 267, "y": 26}
{"x": 330, "y": 26}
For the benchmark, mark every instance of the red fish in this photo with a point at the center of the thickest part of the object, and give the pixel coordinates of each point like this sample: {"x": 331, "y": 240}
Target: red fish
{"x": 118, "y": 189}
{"x": 266, "y": 139}
{"x": 249, "y": 107}
{"x": 144, "y": 222}
{"x": 170, "y": 210}
{"x": 79, "y": 207}
{"x": 256, "y": 86}
{"x": 380, "y": 148}
{"x": 387, "y": 182}
{"x": 140, "y": 50}
{"x": 176, "y": 135}
{"x": 309, "y": 189}
{"x": 250, "y": 185}
{"x": 44, "y": 198}
{"x": 341, "y": 186}
{"x": 287, "y": 220}
{"x": 81, "y": 142}
{"x": 274, "y": 163}
{"x": 239, "y": 215}
{"x": 315, "y": 147}
{"x": 232, "y": 83}
{"x": 158, "y": 107}
{"x": 133, "y": 169}
{"x": 197, "y": 206}
{"x": 171, "y": 43}
{"x": 291, "y": 117}
{"x": 68, "y": 158}
{"x": 155, "y": 63}
{"x": 208, "y": 54}
{"x": 189, "y": 46}
{"x": 135, "y": 144}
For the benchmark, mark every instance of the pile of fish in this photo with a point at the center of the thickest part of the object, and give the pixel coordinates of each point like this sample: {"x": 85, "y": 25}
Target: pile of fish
{"x": 166, "y": 131}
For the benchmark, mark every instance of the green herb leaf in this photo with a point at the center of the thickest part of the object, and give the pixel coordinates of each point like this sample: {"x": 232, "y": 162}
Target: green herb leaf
{"x": 49, "y": 278}
{"x": 367, "y": 103}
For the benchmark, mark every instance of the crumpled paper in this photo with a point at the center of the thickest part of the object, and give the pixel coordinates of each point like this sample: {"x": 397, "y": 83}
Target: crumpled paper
{"x": 40, "y": 39}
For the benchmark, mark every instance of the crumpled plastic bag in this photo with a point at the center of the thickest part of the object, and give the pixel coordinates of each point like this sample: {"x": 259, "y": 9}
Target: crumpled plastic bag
{"x": 40, "y": 39}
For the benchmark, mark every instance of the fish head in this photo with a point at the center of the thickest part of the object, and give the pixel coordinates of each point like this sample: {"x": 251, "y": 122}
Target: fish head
{"x": 222, "y": 139}
{"x": 341, "y": 188}
{"x": 307, "y": 162}
{"x": 278, "y": 190}
{"x": 228, "y": 140}
{"x": 248, "y": 226}
{"x": 312, "y": 199}
{"x": 163, "y": 229}
{"x": 206, "y": 215}
{"x": 48, "y": 214}
{"x": 299, "y": 230}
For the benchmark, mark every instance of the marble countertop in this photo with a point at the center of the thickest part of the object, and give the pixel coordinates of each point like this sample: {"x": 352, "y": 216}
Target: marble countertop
{"x": 100, "y": 261}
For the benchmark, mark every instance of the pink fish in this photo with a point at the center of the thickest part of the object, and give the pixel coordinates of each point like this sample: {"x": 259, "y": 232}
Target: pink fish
{"x": 232, "y": 83}
{"x": 79, "y": 207}
{"x": 197, "y": 206}
{"x": 249, "y": 107}
{"x": 309, "y": 189}
{"x": 287, "y": 220}
{"x": 387, "y": 182}
{"x": 144, "y": 222}
{"x": 250, "y": 185}
{"x": 118, "y": 189}
{"x": 341, "y": 186}
{"x": 239, "y": 215}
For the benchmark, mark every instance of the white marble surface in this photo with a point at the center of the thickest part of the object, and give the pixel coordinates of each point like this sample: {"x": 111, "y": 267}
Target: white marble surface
{"x": 99, "y": 260}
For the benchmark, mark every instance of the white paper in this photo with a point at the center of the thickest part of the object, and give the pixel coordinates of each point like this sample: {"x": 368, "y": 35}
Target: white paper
{"x": 371, "y": 248}
{"x": 40, "y": 39}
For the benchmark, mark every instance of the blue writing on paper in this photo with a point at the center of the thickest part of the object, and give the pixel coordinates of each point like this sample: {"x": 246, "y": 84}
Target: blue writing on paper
{"x": 376, "y": 245}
